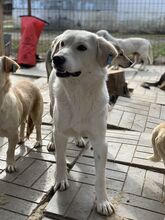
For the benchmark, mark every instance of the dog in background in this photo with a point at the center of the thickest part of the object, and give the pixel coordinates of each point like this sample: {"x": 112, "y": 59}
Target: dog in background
{"x": 158, "y": 142}
{"x": 79, "y": 101}
{"x": 17, "y": 104}
{"x": 140, "y": 48}
{"x": 160, "y": 83}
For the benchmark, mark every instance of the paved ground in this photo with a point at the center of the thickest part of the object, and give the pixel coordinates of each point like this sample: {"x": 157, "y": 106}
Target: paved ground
{"x": 135, "y": 184}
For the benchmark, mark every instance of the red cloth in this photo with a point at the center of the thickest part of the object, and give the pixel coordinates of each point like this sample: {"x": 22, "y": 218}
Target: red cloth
{"x": 31, "y": 28}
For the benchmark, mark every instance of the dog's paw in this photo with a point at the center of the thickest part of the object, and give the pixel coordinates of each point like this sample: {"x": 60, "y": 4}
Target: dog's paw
{"x": 21, "y": 142}
{"x": 154, "y": 158}
{"x": 50, "y": 146}
{"x": 105, "y": 208}
{"x": 10, "y": 168}
{"x": 62, "y": 185}
{"x": 38, "y": 144}
{"x": 80, "y": 142}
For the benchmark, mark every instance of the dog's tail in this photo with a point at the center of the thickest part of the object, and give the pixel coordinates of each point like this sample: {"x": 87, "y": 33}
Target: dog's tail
{"x": 150, "y": 54}
{"x": 30, "y": 127}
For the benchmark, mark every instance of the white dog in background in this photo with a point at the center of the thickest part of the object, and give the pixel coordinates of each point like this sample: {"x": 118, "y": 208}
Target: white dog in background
{"x": 79, "y": 101}
{"x": 140, "y": 48}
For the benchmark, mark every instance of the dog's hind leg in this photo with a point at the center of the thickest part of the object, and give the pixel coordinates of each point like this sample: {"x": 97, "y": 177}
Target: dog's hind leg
{"x": 13, "y": 140}
{"x": 80, "y": 142}
{"x": 22, "y": 133}
{"x": 145, "y": 61}
{"x": 136, "y": 60}
{"x": 61, "y": 179}
{"x": 36, "y": 116}
{"x": 104, "y": 207}
{"x": 38, "y": 135}
{"x": 155, "y": 157}
{"x": 160, "y": 143}
{"x": 37, "y": 120}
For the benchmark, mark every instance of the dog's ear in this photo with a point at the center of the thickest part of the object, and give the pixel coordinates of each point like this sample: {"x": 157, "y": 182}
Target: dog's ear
{"x": 105, "y": 50}
{"x": 9, "y": 65}
{"x": 55, "y": 45}
{"x": 120, "y": 51}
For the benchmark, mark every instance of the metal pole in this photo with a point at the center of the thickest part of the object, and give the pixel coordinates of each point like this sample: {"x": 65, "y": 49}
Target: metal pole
{"x": 29, "y": 8}
{"x": 1, "y": 29}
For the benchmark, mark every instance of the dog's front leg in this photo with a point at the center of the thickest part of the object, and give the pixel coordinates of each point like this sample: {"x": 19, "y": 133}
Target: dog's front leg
{"x": 12, "y": 142}
{"x": 61, "y": 179}
{"x": 104, "y": 207}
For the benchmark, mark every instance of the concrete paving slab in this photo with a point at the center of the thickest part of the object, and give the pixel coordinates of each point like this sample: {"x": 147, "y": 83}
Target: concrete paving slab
{"x": 129, "y": 147}
{"x": 127, "y": 114}
{"x": 131, "y": 201}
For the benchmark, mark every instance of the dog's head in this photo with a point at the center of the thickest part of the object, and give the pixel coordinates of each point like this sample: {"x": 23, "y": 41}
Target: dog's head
{"x": 7, "y": 66}
{"x": 76, "y": 52}
{"x": 121, "y": 59}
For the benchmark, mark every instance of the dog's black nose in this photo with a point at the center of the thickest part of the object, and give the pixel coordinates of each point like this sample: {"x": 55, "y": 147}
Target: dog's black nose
{"x": 58, "y": 60}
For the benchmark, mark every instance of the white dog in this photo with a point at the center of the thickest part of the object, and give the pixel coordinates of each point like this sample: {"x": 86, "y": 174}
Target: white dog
{"x": 79, "y": 101}
{"x": 140, "y": 48}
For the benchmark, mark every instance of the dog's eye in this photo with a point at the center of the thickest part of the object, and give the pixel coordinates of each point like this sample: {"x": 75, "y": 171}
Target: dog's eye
{"x": 81, "y": 47}
{"x": 62, "y": 43}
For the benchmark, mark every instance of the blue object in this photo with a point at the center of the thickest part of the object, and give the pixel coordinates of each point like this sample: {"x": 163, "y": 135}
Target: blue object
{"x": 109, "y": 61}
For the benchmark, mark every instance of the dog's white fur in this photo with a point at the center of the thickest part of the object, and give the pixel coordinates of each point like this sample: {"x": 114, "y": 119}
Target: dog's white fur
{"x": 16, "y": 103}
{"x": 158, "y": 143}
{"x": 79, "y": 104}
{"x": 140, "y": 48}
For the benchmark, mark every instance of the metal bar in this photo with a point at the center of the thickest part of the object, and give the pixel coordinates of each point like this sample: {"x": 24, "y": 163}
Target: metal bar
{"x": 29, "y": 8}
{"x": 1, "y": 29}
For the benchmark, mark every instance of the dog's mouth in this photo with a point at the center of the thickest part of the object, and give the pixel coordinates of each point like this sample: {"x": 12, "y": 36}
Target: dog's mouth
{"x": 64, "y": 74}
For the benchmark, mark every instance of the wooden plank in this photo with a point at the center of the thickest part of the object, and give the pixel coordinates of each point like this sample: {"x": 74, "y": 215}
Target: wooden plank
{"x": 113, "y": 149}
{"x": 127, "y": 102}
{"x": 19, "y": 206}
{"x": 126, "y": 153}
{"x": 134, "y": 181}
{"x": 114, "y": 117}
{"x": 162, "y": 113}
{"x": 32, "y": 173}
{"x": 127, "y": 120}
{"x": 21, "y": 192}
{"x": 154, "y": 110}
{"x": 46, "y": 181}
{"x": 60, "y": 202}
{"x": 11, "y": 215}
{"x": 130, "y": 110}
{"x": 153, "y": 186}
{"x": 22, "y": 164}
{"x": 139, "y": 122}
{"x": 135, "y": 213}
{"x": 145, "y": 139}
{"x": 133, "y": 100}
{"x": 80, "y": 208}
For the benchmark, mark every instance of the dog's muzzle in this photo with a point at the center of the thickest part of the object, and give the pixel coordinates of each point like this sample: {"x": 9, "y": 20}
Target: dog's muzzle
{"x": 58, "y": 62}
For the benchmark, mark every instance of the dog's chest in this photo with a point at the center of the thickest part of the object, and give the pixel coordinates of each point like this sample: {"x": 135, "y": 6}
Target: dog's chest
{"x": 80, "y": 106}
{"x": 8, "y": 115}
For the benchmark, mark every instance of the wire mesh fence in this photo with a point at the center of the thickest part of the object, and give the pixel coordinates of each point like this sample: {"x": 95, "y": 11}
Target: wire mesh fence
{"x": 122, "y": 18}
